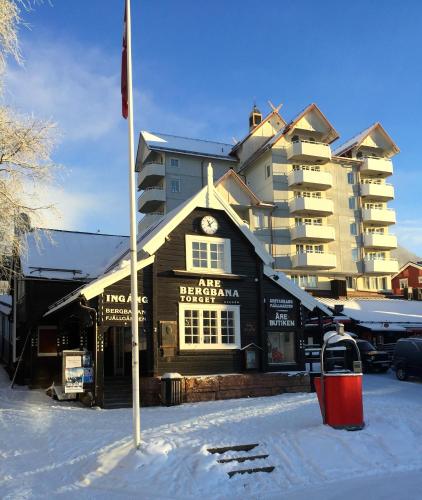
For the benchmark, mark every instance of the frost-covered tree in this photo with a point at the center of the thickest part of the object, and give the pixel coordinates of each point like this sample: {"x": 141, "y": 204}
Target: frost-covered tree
{"x": 25, "y": 147}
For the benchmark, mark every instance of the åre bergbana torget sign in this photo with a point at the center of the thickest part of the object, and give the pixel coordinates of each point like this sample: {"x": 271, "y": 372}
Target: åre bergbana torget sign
{"x": 280, "y": 312}
{"x": 208, "y": 291}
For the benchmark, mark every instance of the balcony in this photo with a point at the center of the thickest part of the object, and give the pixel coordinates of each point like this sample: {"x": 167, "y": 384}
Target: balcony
{"x": 380, "y": 241}
{"x": 377, "y": 167}
{"x": 148, "y": 220}
{"x": 314, "y": 260}
{"x": 311, "y": 206}
{"x": 151, "y": 200}
{"x": 310, "y": 179}
{"x": 150, "y": 175}
{"x": 308, "y": 151}
{"x": 385, "y": 216}
{"x": 381, "y": 266}
{"x": 316, "y": 233}
{"x": 377, "y": 192}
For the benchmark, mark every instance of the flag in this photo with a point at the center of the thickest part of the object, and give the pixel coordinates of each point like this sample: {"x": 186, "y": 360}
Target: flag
{"x": 124, "y": 70}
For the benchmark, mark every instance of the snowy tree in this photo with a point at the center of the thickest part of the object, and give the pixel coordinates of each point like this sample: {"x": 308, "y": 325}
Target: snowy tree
{"x": 25, "y": 147}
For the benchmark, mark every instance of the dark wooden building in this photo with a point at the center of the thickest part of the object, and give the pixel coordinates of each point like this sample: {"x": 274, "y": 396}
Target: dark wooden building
{"x": 209, "y": 303}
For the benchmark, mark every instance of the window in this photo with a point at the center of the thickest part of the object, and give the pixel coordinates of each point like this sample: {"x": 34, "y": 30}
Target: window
{"x": 261, "y": 221}
{"x": 312, "y": 168}
{"x": 305, "y": 280}
{"x": 174, "y": 162}
{"x": 47, "y": 341}
{"x": 208, "y": 253}
{"x": 209, "y": 327}
{"x": 281, "y": 348}
{"x": 307, "y": 221}
{"x": 350, "y": 177}
{"x": 376, "y": 256}
{"x": 267, "y": 171}
{"x": 175, "y": 185}
{"x": 376, "y": 206}
{"x": 350, "y": 282}
{"x": 420, "y": 280}
{"x": 308, "y": 194}
{"x": 375, "y": 230}
{"x": 352, "y": 202}
{"x": 309, "y": 249}
{"x": 355, "y": 254}
{"x": 353, "y": 229}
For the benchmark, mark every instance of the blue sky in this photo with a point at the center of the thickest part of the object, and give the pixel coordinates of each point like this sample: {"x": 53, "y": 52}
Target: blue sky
{"x": 198, "y": 67}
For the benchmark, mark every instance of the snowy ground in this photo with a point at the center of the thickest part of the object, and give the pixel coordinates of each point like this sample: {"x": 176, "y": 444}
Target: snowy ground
{"x": 50, "y": 449}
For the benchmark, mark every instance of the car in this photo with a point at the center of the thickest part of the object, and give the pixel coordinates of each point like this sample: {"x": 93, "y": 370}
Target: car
{"x": 372, "y": 359}
{"x": 407, "y": 358}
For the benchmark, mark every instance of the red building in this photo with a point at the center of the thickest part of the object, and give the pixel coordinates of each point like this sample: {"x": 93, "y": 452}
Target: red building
{"x": 409, "y": 276}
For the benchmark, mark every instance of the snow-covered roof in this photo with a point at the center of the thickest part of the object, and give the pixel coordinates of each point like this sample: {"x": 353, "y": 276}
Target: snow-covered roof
{"x": 408, "y": 264}
{"x": 69, "y": 255}
{"x": 5, "y": 304}
{"x": 185, "y": 145}
{"x": 380, "y": 311}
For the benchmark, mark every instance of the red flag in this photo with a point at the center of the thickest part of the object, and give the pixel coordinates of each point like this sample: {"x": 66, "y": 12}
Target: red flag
{"x": 124, "y": 71}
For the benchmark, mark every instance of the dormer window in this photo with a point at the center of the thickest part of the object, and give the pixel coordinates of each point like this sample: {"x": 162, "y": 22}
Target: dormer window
{"x": 209, "y": 254}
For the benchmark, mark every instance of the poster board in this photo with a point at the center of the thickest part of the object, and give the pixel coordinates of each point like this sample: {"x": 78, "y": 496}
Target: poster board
{"x": 78, "y": 371}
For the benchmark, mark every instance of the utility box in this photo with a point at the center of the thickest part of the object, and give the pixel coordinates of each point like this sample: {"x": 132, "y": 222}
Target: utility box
{"x": 171, "y": 389}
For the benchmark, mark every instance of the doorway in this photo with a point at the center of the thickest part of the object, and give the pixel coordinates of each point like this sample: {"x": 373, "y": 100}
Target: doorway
{"x": 117, "y": 352}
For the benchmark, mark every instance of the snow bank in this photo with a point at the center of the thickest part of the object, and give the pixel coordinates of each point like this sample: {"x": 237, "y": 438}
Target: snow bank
{"x": 66, "y": 451}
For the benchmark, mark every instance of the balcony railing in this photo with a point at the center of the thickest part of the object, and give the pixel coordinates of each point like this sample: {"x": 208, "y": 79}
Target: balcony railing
{"x": 314, "y": 260}
{"x": 379, "y": 240}
{"x": 151, "y": 199}
{"x": 380, "y": 265}
{"x": 380, "y": 167}
{"x": 150, "y": 174}
{"x": 312, "y": 232}
{"x": 303, "y": 150}
{"x": 310, "y": 179}
{"x": 311, "y": 206}
{"x": 385, "y": 216}
{"x": 377, "y": 191}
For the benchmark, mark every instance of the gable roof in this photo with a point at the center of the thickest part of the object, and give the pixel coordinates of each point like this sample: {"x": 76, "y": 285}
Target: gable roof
{"x": 357, "y": 140}
{"x": 408, "y": 264}
{"x": 68, "y": 255}
{"x": 155, "y": 237}
{"x": 231, "y": 174}
{"x": 264, "y": 120}
{"x": 188, "y": 146}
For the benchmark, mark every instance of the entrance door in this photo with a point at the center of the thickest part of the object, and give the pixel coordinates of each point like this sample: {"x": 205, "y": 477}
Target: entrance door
{"x": 119, "y": 351}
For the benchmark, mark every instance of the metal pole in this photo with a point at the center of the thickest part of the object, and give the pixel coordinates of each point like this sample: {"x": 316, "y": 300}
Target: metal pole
{"x": 133, "y": 250}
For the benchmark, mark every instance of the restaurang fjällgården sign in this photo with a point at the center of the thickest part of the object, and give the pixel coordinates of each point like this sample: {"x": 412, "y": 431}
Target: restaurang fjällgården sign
{"x": 280, "y": 312}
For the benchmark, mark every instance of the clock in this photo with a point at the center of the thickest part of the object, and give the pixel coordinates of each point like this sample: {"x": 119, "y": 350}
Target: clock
{"x": 209, "y": 224}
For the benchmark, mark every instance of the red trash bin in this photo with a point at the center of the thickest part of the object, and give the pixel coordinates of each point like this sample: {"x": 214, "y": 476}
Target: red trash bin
{"x": 340, "y": 392}
{"x": 341, "y": 404}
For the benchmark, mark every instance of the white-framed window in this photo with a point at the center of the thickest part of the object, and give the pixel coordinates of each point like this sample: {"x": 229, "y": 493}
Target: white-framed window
{"x": 305, "y": 280}
{"x": 204, "y": 326}
{"x": 403, "y": 283}
{"x": 267, "y": 171}
{"x": 261, "y": 221}
{"x": 312, "y": 168}
{"x": 206, "y": 253}
{"x": 47, "y": 341}
{"x": 309, "y": 249}
{"x": 308, "y": 221}
{"x": 174, "y": 162}
{"x": 350, "y": 177}
{"x": 308, "y": 194}
{"x": 376, "y": 206}
{"x": 175, "y": 185}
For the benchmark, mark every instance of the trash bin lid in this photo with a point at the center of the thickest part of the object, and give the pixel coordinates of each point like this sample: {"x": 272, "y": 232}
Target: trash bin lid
{"x": 171, "y": 375}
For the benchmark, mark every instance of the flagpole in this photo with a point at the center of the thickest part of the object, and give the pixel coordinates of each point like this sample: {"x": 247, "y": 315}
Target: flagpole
{"x": 133, "y": 250}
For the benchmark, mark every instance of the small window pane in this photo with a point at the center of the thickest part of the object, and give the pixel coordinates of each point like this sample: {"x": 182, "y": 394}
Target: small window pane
{"x": 352, "y": 202}
{"x": 350, "y": 177}
{"x": 355, "y": 254}
{"x": 353, "y": 229}
{"x": 191, "y": 327}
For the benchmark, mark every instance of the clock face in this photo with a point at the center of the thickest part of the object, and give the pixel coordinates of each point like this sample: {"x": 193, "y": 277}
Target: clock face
{"x": 209, "y": 224}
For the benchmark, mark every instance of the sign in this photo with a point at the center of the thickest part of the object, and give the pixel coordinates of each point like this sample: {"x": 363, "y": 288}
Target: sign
{"x": 77, "y": 371}
{"x": 115, "y": 309}
{"x": 280, "y": 313}
{"x": 208, "y": 291}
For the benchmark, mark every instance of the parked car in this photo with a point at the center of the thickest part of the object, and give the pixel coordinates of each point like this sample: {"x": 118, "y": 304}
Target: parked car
{"x": 407, "y": 359}
{"x": 372, "y": 359}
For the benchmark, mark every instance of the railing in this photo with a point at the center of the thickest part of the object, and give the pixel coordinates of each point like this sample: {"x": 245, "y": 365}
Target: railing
{"x": 376, "y": 182}
{"x": 158, "y": 188}
{"x": 306, "y": 168}
{"x": 153, "y": 162}
{"x": 312, "y": 197}
{"x": 309, "y": 142}
{"x": 383, "y": 259}
{"x": 302, "y": 252}
{"x": 379, "y": 208}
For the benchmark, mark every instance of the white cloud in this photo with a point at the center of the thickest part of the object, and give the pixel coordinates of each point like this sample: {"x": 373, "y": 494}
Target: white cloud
{"x": 409, "y": 234}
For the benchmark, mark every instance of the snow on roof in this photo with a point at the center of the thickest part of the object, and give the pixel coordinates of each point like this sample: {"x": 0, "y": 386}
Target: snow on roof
{"x": 185, "y": 145}
{"x": 353, "y": 141}
{"x": 69, "y": 255}
{"x": 5, "y": 304}
{"x": 380, "y": 311}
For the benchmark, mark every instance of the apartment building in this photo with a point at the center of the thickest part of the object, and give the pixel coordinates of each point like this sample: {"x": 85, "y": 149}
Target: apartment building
{"x": 320, "y": 209}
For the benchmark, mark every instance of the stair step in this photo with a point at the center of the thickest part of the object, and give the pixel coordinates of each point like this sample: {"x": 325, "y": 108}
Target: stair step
{"x": 251, "y": 471}
{"x": 241, "y": 459}
{"x": 238, "y": 447}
